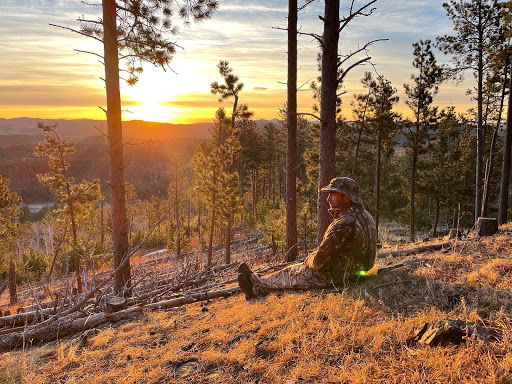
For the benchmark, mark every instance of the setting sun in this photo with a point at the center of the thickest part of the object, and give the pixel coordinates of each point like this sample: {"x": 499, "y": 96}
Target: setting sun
{"x": 151, "y": 111}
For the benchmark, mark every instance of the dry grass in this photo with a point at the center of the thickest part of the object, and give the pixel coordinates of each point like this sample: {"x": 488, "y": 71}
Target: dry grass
{"x": 361, "y": 335}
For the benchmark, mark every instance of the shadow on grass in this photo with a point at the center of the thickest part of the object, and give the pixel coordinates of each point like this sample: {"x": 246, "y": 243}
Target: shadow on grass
{"x": 403, "y": 292}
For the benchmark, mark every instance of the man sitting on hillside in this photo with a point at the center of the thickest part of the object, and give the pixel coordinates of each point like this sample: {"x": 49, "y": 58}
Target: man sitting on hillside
{"x": 347, "y": 250}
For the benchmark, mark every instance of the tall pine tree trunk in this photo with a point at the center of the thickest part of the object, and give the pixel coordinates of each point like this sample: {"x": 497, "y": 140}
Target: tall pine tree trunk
{"x": 505, "y": 167}
{"x": 327, "y": 169}
{"x": 479, "y": 131}
{"x": 115, "y": 135}
{"x": 291, "y": 153}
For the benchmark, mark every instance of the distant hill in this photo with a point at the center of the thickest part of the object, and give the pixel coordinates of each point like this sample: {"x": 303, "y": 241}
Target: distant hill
{"x": 23, "y": 130}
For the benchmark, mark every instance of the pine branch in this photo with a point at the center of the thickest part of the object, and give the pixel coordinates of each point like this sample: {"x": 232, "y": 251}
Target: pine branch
{"x": 345, "y": 72}
{"x": 79, "y": 32}
{"x": 90, "y": 53}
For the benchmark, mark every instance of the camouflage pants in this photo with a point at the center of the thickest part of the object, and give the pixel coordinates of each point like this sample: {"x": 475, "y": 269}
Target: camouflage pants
{"x": 296, "y": 276}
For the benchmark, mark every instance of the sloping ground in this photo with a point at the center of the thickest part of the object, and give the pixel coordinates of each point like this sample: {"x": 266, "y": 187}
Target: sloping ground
{"x": 360, "y": 335}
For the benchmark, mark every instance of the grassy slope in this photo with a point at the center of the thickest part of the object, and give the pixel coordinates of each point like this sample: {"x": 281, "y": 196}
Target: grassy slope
{"x": 358, "y": 336}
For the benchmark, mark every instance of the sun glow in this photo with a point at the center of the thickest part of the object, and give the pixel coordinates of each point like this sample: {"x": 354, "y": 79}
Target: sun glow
{"x": 151, "y": 111}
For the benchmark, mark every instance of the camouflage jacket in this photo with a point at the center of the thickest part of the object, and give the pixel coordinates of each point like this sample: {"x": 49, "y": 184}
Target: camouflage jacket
{"x": 348, "y": 246}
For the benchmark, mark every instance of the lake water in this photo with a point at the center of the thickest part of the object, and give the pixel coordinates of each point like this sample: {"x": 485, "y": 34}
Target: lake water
{"x": 36, "y": 207}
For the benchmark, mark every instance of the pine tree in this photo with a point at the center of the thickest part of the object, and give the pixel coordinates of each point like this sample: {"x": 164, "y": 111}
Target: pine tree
{"x": 132, "y": 31}
{"x": 74, "y": 198}
{"x": 230, "y": 88}
{"x": 381, "y": 99}
{"x": 478, "y": 35}
{"x": 420, "y": 95}
{"x": 9, "y": 229}
{"x": 215, "y": 178}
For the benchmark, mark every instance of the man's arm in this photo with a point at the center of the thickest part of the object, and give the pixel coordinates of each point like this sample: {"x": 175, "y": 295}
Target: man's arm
{"x": 329, "y": 248}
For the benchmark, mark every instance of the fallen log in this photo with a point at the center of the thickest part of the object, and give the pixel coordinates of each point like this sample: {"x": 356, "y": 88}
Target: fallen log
{"x": 26, "y": 317}
{"x": 64, "y": 327}
{"x": 195, "y": 297}
{"x": 412, "y": 251}
{"x": 68, "y": 325}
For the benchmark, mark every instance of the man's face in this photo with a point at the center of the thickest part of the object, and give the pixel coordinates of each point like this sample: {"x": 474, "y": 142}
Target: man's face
{"x": 337, "y": 200}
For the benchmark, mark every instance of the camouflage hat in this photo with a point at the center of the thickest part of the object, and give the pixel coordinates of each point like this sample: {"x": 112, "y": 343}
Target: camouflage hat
{"x": 344, "y": 185}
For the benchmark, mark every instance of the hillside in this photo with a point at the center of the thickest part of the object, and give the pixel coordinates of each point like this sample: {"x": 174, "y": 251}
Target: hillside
{"x": 360, "y": 335}
{"x": 79, "y": 128}
{"x": 23, "y": 130}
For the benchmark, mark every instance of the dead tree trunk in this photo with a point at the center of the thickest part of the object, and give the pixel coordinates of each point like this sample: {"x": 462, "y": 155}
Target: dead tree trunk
{"x": 115, "y": 137}
{"x": 490, "y": 161}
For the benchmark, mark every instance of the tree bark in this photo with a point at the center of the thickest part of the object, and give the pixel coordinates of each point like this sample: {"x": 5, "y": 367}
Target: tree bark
{"x": 291, "y": 153}
{"x": 328, "y": 127}
{"x": 122, "y": 278}
{"x": 505, "y": 166}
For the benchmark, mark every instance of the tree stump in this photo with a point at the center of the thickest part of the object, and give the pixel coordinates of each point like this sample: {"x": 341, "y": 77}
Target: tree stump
{"x": 486, "y": 226}
{"x": 115, "y": 304}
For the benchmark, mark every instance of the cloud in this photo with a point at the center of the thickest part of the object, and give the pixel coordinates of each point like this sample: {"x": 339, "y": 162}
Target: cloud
{"x": 39, "y": 66}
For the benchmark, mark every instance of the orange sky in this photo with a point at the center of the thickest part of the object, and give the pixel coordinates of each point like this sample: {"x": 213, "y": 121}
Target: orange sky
{"x": 42, "y": 76}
